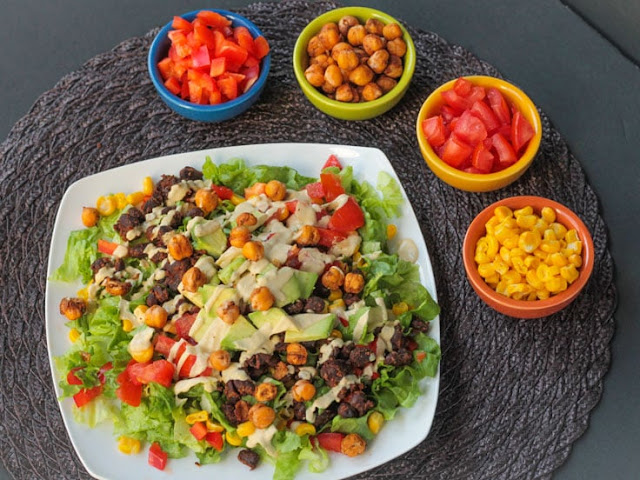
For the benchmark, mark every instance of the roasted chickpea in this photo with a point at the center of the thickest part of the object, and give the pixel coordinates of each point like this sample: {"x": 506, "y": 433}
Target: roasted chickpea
{"x": 335, "y": 51}
{"x": 392, "y": 31}
{"x": 333, "y": 76}
{"x": 353, "y": 282}
{"x": 386, "y": 83}
{"x": 323, "y": 60}
{"x": 397, "y": 47}
{"x": 328, "y": 89}
{"x": 255, "y": 190}
{"x": 375, "y": 26}
{"x": 280, "y": 371}
{"x": 394, "y": 68}
{"x": 265, "y": 392}
{"x": 193, "y": 279}
{"x": 344, "y": 93}
{"x": 362, "y": 55}
{"x": 253, "y": 251}
{"x": 239, "y": 236}
{"x": 346, "y": 23}
{"x": 296, "y": 354}
{"x": 220, "y": 360}
{"x": 309, "y": 235}
{"x": 228, "y": 312}
{"x": 378, "y": 61}
{"x": 246, "y": 219}
{"x": 72, "y": 308}
{"x": 371, "y": 91}
{"x": 353, "y": 445}
{"x": 372, "y": 43}
{"x": 116, "y": 287}
{"x": 348, "y": 60}
{"x": 180, "y": 247}
{"x": 206, "y": 200}
{"x": 329, "y": 35}
{"x": 282, "y": 214}
{"x": 315, "y": 47}
{"x": 90, "y": 216}
{"x": 303, "y": 391}
{"x": 276, "y": 190}
{"x": 315, "y": 75}
{"x": 261, "y": 415}
{"x": 361, "y": 75}
{"x": 156, "y": 316}
{"x": 356, "y": 94}
{"x": 261, "y": 299}
{"x": 356, "y": 35}
{"x": 333, "y": 278}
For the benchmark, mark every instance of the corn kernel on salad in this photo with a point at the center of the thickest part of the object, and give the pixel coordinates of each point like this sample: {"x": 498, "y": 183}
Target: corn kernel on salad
{"x": 246, "y": 311}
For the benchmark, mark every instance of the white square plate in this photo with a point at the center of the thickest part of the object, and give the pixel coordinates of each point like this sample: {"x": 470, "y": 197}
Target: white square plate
{"x": 97, "y": 447}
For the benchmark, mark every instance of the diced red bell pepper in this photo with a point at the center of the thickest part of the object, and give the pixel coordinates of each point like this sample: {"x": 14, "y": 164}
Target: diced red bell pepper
{"x": 71, "y": 377}
{"x": 411, "y": 344}
{"x": 343, "y": 321}
{"x": 332, "y": 161}
{"x": 331, "y": 186}
{"x": 85, "y": 395}
{"x": 173, "y": 85}
{"x": 215, "y": 440}
{"x": 373, "y": 345}
{"x": 315, "y": 190}
{"x": 213, "y": 19}
{"x": 228, "y": 86}
{"x": 165, "y": 66}
{"x": 347, "y": 218}
{"x": 106, "y": 247}
{"x": 232, "y": 52}
{"x": 198, "y": 430}
{"x": 204, "y": 35}
{"x": 180, "y": 23}
{"x": 224, "y": 193}
{"x": 331, "y": 441}
{"x": 218, "y": 66}
{"x": 261, "y": 47}
{"x": 157, "y": 456}
{"x": 243, "y": 37}
{"x": 251, "y": 75}
{"x": 200, "y": 57}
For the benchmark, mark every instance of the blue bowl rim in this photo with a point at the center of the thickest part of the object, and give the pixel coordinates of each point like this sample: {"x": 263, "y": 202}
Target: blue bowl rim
{"x": 154, "y": 73}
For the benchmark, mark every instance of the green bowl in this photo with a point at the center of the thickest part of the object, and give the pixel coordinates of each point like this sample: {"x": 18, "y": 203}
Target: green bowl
{"x": 343, "y": 110}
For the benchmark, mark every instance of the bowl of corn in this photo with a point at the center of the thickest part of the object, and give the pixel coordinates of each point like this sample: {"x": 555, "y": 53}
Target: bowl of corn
{"x": 527, "y": 256}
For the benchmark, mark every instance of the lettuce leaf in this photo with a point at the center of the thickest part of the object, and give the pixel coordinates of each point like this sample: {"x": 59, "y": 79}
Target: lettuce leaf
{"x": 292, "y": 449}
{"x": 353, "y": 425}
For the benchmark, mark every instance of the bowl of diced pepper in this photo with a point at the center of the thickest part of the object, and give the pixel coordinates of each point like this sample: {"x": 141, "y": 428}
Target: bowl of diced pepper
{"x": 209, "y": 65}
{"x": 478, "y": 133}
{"x": 528, "y": 256}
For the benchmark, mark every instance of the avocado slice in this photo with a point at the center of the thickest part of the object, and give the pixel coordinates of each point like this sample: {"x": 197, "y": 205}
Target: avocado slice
{"x": 357, "y": 330}
{"x": 241, "y": 328}
{"x": 208, "y": 235}
{"x": 312, "y": 326}
{"x": 201, "y": 296}
{"x": 211, "y": 325}
{"x": 300, "y": 285}
{"x": 227, "y": 272}
{"x": 277, "y": 317}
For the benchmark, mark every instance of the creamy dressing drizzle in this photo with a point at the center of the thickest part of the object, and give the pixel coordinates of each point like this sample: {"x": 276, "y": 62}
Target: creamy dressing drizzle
{"x": 328, "y": 398}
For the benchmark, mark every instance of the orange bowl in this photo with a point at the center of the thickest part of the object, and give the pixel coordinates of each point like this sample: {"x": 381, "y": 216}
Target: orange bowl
{"x": 524, "y": 308}
{"x": 480, "y": 182}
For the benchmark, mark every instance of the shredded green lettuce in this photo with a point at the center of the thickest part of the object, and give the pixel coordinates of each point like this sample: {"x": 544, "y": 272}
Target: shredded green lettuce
{"x": 292, "y": 449}
{"x": 353, "y": 425}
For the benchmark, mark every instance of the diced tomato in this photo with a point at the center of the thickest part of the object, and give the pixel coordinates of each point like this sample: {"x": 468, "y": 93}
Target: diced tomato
{"x": 328, "y": 238}
{"x": 473, "y": 170}
{"x": 373, "y": 345}
{"x": 477, "y": 94}
{"x": 499, "y": 105}
{"x": 434, "y": 129}
{"x": 315, "y": 190}
{"x": 207, "y": 372}
{"x": 447, "y": 113}
{"x": 420, "y": 356}
{"x": 462, "y": 86}
{"x": 184, "y": 324}
{"x": 343, "y": 321}
{"x": 106, "y": 247}
{"x": 134, "y": 370}
{"x": 185, "y": 369}
{"x": 291, "y": 206}
{"x": 482, "y": 158}
{"x": 215, "y": 440}
{"x": 411, "y": 344}
{"x": 85, "y": 395}
{"x": 128, "y": 391}
{"x": 470, "y": 129}
{"x": 224, "y": 193}
{"x": 331, "y": 441}
{"x": 331, "y": 185}
{"x": 455, "y": 151}
{"x": 180, "y": 23}
{"x": 332, "y": 161}
{"x": 243, "y": 38}
{"x": 261, "y": 47}
{"x": 160, "y": 371}
{"x": 163, "y": 345}
{"x": 481, "y": 110}
{"x": 198, "y": 430}
{"x": 157, "y": 456}
{"x": 455, "y": 101}
{"x": 228, "y": 86}
{"x": 232, "y": 52}
{"x": 506, "y": 153}
{"x": 347, "y": 218}
{"x": 521, "y": 131}
{"x": 71, "y": 377}
{"x": 375, "y": 375}
{"x": 213, "y": 19}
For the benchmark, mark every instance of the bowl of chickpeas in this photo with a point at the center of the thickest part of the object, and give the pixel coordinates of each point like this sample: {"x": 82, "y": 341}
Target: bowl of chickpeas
{"x": 527, "y": 256}
{"x": 354, "y": 63}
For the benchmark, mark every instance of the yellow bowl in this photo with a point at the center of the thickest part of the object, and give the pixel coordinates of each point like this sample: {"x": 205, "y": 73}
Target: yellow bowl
{"x": 344, "y": 110}
{"x": 481, "y": 182}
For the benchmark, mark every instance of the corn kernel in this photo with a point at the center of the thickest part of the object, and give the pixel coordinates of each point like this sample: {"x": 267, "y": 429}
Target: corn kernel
{"x": 529, "y": 241}
{"x": 334, "y": 295}
{"x": 74, "y": 335}
{"x": 486, "y": 270}
{"x": 305, "y": 429}
{"x": 399, "y": 308}
{"x": 502, "y": 232}
{"x": 571, "y": 236}
{"x": 556, "y": 285}
{"x": 541, "y": 255}
{"x": 575, "y": 260}
{"x": 128, "y": 445}
{"x": 213, "y": 426}
{"x": 481, "y": 258}
{"x": 201, "y": 416}
{"x": 526, "y": 221}
{"x": 573, "y": 247}
{"x": 147, "y": 186}
{"x": 501, "y": 288}
{"x": 135, "y": 198}
{"x": 548, "y": 214}
{"x": 492, "y": 246}
{"x": 532, "y": 296}
{"x": 549, "y": 234}
{"x": 519, "y": 265}
{"x": 524, "y": 211}
{"x": 245, "y": 429}
{"x": 511, "y": 241}
{"x": 505, "y": 254}
{"x": 559, "y": 229}
{"x": 500, "y": 266}
{"x": 121, "y": 200}
{"x": 237, "y": 200}
{"x": 142, "y": 356}
{"x": 550, "y": 246}
{"x": 503, "y": 212}
{"x": 531, "y": 261}
{"x": 392, "y": 230}
{"x": 491, "y": 225}
{"x": 233, "y": 438}
{"x": 83, "y": 293}
{"x": 553, "y": 270}
{"x": 543, "y": 294}
{"x": 336, "y": 333}
{"x": 482, "y": 245}
{"x": 106, "y": 205}
{"x": 542, "y": 272}
{"x": 127, "y": 325}
{"x": 569, "y": 273}
{"x": 337, "y": 305}
{"x": 518, "y": 288}
{"x": 493, "y": 280}
{"x": 533, "y": 280}
{"x": 512, "y": 277}
{"x": 541, "y": 225}
{"x": 375, "y": 422}
{"x": 558, "y": 259}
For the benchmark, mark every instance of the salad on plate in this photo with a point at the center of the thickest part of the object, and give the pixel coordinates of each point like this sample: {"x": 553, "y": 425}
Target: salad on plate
{"x": 248, "y": 311}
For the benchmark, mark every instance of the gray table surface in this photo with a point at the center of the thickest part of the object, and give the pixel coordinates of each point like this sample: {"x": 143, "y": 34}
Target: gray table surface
{"x": 589, "y": 89}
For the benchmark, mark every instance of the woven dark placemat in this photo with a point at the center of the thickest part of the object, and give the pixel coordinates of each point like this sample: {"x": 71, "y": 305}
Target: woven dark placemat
{"x": 514, "y": 394}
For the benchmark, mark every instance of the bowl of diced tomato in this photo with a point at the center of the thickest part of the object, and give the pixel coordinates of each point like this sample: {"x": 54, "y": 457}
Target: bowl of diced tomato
{"x": 478, "y": 133}
{"x": 209, "y": 65}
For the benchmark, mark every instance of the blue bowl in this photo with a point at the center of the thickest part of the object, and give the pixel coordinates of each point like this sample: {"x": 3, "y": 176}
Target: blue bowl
{"x": 205, "y": 113}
